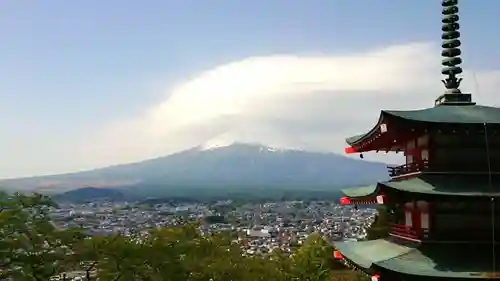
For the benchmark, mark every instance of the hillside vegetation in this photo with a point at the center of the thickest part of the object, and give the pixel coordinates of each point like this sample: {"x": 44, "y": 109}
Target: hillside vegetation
{"x": 32, "y": 248}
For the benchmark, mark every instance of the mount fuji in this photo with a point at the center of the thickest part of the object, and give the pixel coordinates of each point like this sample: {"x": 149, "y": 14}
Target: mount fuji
{"x": 227, "y": 166}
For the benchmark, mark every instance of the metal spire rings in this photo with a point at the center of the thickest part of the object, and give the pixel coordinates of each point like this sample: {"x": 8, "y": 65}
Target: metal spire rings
{"x": 451, "y": 45}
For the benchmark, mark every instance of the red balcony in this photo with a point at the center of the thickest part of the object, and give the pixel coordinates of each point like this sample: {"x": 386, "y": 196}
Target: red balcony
{"x": 417, "y": 167}
{"x": 404, "y": 232}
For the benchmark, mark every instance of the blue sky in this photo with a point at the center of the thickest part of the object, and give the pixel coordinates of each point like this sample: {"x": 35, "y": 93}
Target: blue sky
{"x": 69, "y": 67}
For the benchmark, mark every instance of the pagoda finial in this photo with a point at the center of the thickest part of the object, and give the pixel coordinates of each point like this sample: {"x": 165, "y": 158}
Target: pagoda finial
{"x": 451, "y": 43}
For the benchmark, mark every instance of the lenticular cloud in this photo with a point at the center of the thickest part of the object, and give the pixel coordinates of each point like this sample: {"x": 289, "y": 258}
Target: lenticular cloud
{"x": 308, "y": 102}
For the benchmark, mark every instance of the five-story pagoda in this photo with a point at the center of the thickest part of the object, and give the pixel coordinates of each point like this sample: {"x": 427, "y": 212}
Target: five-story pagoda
{"x": 443, "y": 202}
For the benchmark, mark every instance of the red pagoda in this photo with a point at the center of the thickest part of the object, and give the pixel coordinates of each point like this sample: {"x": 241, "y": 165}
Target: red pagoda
{"x": 442, "y": 202}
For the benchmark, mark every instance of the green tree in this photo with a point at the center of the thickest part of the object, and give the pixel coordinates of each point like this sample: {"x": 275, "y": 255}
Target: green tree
{"x": 313, "y": 260}
{"x": 89, "y": 251}
{"x": 32, "y": 248}
{"x": 380, "y": 226}
{"x": 169, "y": 252}
{"x": 120, "y": 258}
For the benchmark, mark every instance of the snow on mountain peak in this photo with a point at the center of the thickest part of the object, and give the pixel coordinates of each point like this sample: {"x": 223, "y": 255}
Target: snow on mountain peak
{"x": 211, "y": 145}
{"x": 264, "y": 148}
{"x": 240, "y": 139}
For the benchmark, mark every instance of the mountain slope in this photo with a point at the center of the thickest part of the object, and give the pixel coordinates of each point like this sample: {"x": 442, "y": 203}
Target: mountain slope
{"x": 251, "y": 165}
{"x": 236, "y": 166}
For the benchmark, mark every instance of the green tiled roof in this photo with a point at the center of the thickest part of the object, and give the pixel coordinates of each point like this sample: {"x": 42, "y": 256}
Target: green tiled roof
{"x": 355, "y": 139}
{"x": 469, "y": 185}
{"x": 448, "y": 185}
{"x": 444, "y": 260}
{"x": 363, "y": 191}
{"x": 464, "y": 114}
{"x": 457, "y": 114}
{"x": 436, "y": 260}
{"x": 365, "y": 253}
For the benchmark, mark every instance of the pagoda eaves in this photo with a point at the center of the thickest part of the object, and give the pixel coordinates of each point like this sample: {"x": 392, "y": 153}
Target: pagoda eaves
{"x": 395, "y": 124}
{"x": 392, "y": 261}
{"x": 433, "y": 185}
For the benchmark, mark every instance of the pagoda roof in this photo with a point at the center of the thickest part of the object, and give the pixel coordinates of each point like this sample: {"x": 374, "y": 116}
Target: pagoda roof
{"x": 450, "y": 114}
{"x": 366, "y": 253}
{"x": 436, "y": 260}
{"x": 360, "y": 192}
{"x": 460, "y": 114}
{"x": 462, "y": 185}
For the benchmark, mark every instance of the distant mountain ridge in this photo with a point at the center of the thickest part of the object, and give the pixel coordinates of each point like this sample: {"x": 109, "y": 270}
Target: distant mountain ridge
{"x": 85, "y": 194}
{"x": 238, "y": 165}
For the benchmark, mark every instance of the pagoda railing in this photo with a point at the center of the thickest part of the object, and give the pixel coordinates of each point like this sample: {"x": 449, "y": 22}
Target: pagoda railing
{"x": 395, "y": 171}
{"x": 411, "y": 235}
{"x": 405, "y": 232}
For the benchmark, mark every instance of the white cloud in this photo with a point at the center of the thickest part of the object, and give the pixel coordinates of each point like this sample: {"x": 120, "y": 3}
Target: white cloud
{"x": 282, "y": 100}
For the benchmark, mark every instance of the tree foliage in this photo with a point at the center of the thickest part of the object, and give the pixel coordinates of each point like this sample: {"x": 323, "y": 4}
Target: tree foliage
{"x": 33, "y": 248}
{"x": 380, "y": 226}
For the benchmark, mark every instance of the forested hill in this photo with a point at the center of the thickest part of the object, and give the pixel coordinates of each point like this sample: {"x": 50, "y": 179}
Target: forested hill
{"x": 154, "y": 256}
